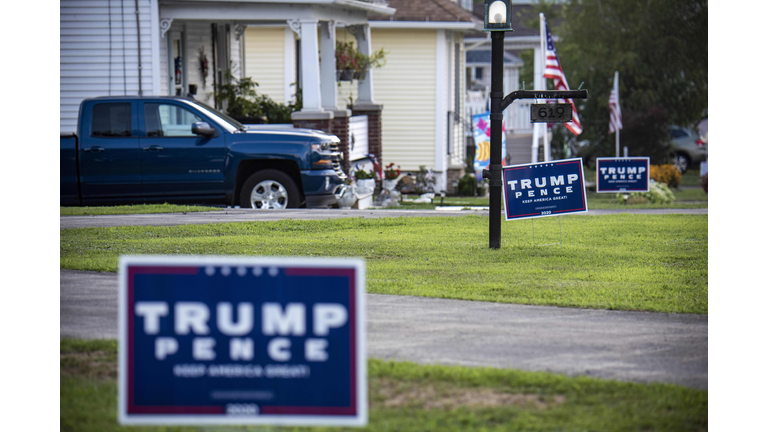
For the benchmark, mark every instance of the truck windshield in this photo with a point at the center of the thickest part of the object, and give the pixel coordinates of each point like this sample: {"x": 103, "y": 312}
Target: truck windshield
{"x": 221, "y": 115}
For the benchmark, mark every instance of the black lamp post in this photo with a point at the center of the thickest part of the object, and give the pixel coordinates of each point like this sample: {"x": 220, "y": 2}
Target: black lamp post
{"x": 497, "y": 21}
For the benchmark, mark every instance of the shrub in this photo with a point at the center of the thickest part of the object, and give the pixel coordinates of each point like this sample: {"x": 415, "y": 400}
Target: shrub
{"x": 243, "y": 102}
{"x": 468, "y": 185}
{"x": 425, "y": 180}
{"x": 668, "y": 174}
{"x": 658, "y": 193}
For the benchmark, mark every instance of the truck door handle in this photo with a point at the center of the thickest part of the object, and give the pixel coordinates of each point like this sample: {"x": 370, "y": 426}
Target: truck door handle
{"x": 153, "y": 148}
{"x": 94, "y": 149}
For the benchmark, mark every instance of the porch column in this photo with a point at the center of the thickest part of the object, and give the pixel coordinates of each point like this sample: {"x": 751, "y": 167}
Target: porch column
{"x": 310, "y": 66}
{"x": 312, "y": 114}
{"x": 364, "y": 86}
{"x": 365, "y": 104}
{"x": 328, "y": 65}
{"x": 237, "y": 43}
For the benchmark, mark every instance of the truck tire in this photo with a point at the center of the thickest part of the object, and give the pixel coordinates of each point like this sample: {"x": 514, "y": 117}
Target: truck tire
{"x": 269, "y": 189}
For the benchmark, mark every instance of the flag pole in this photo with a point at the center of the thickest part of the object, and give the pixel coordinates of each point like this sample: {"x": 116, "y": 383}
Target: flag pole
{"x": 543, "y": 41}
{"x": 616, "y": 89}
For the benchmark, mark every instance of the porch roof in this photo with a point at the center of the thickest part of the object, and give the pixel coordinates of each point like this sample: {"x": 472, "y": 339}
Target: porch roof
{"x": 428, "y": 10}
{"x": 348, "y": 11}
{"x": 484, "y": 57}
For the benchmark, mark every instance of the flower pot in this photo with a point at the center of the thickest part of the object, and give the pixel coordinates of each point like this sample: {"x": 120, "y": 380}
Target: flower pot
{"x": 365, "y": 187}
{"x": 345, "y": 74}
{"x": 388, "y": 185}
{"x": 348, "y": 198}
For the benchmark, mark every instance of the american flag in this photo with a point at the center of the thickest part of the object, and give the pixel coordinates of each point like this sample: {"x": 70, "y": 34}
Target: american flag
{"x": 553, "y": 70}
{"x": 613, "y": 105}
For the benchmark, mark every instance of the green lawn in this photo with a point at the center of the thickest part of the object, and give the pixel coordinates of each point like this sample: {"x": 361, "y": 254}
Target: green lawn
{"x": 691, "y": 195}
{"x": 692, "y": 177}
{"x": 595, "y": 201}
{"x": 685, "y": 198}
{"x": 626, "y": 261}
{"x": 133, "y": 209}
{"x": 410, "y": 397}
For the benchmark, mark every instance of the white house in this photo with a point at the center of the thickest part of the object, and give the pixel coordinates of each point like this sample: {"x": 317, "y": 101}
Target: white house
{"x": 175, "y": 47}
{"x": 479, "y": 72}
{"x": 423, "y": 85}
{"x": 418, "y": 97}
{"x": 161, "y": 47}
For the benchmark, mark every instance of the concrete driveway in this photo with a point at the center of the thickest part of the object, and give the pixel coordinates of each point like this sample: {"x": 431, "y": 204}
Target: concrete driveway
{"x": 628, "y": 346}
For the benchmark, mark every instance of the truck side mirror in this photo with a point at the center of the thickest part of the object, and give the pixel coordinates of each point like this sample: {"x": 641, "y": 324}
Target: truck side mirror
{"x": 203, "y": 128}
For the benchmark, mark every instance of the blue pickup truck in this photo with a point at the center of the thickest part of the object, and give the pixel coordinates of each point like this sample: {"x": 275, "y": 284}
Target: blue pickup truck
{"x": 178, "y": 150}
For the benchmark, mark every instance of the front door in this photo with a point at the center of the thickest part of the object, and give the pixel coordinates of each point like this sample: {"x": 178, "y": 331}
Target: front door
{"x": 109, "y": 153}
{"x": 175, "y": 163}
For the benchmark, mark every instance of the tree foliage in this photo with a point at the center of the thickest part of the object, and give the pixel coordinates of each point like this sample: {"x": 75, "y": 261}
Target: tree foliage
{"x": 658, "y": 47}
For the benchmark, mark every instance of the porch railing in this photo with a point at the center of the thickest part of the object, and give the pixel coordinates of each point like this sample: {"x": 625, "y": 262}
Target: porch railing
{"x": 517, "y": 117}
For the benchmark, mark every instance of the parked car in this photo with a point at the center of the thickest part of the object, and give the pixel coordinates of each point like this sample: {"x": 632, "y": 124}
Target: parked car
{"x": 178, "y": 150}
{"x": 688, "y": 149}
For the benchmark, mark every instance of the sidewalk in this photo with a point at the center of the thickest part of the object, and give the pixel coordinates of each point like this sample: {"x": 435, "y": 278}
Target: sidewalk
{"x": 627, "y": 346}
{"x": 248, "y": 215}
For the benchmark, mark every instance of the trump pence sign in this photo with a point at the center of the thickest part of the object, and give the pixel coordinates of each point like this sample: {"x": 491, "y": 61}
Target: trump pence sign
{"x": 212, "y": 340}
{"x": 544, "y": 189}
{"x": 629, "y": 174}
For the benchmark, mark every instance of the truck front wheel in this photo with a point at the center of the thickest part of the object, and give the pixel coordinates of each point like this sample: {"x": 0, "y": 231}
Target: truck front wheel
{"x": 269, "y": 189}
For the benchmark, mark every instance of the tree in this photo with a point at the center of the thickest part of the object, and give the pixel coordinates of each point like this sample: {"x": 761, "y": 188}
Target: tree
{"x": 660, "y": 50}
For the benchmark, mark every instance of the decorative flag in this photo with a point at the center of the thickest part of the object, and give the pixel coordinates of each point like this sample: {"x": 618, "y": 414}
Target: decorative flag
{"x": 482, "y": 134}
{"x": 553, "y": 70}
{"x": 613, "y": 105}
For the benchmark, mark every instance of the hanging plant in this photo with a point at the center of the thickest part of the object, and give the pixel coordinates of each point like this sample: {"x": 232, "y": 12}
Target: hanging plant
{"x": 352, "y": 64}
{"x": 203, "y": 60}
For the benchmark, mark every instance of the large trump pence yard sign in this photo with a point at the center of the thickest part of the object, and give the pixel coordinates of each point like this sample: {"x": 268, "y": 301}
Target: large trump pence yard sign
{"x": 213, "y": 340}
{"x": 544, "y": 189}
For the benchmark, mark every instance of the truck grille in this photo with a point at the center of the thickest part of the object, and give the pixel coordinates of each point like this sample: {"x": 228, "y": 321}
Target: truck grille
{"x": 337, "y": 160}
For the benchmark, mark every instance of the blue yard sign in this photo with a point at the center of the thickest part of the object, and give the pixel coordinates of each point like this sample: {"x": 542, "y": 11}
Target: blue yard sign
{"x": 213, "y": 340}
{"x": 628, "y": 174}
{"x": 544, "y": 189}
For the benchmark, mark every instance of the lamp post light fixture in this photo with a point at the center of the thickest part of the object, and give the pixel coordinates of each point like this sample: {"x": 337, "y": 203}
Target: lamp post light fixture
{"x": 498, "y": 14}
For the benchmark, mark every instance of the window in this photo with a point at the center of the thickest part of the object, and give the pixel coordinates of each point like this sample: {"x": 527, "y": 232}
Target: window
{"x": 478, "y": 73}
{"x": 678, "y": 133}
{"x": 167, "y": 120}
{"x": 111, "y": 120}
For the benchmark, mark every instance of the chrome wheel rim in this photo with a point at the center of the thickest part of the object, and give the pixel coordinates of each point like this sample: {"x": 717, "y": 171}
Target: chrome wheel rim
{"x": 681, "y": 163}
{"x": 268, "y": 195}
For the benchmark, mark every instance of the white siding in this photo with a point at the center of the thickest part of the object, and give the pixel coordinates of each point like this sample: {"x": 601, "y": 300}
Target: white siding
{"x": 99, "y": 53}
{"x": 358, "y": 137}
{"x": 406, "y": 88}
{"x": 265, "y": 60}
